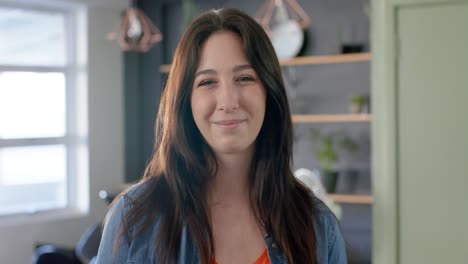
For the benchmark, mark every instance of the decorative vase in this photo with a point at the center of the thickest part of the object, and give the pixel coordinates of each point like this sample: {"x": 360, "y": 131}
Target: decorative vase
{"x": 329, "y": 180}
{"x": 347, "y": 181}
{"x": 356, "y": 108}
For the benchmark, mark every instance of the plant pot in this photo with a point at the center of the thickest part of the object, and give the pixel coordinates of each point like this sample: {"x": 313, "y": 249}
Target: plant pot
{"x": 347, "y": 181}
{"x": 352, "y": 48}
{"x": 356, "y": 108}
{"x": 328, "y": 179}
{"x": 359, "y": 108}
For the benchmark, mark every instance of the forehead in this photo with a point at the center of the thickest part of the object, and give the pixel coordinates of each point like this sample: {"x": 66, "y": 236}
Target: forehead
{"x": 222, "y": 50}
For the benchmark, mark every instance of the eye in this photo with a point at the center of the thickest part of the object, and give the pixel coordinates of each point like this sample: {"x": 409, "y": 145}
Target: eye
{"x": 206, "y": 83}
{"x": 246, "y": 78}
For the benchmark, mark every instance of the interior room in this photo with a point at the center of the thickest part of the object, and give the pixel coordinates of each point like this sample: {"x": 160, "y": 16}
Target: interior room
{"x": 376, "y": 91}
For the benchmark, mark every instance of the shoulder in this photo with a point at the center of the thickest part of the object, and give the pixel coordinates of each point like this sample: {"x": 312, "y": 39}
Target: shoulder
{"x": 325, "y": 222}
{"x": 109, "y": 252}
{"x": 135, "y": 190}
{"x": 330, "y": 241}
{"x": 123, "y": 202}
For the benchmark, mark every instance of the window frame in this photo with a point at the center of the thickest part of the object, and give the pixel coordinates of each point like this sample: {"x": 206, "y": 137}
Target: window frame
{"x": 75, "y": 139}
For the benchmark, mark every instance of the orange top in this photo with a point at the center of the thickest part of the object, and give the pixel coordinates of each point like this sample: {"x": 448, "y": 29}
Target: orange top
{"x": 263, "y": 259}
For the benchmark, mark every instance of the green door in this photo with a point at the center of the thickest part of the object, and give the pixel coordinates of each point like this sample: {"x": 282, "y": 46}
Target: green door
{"x": 420, "y": 133}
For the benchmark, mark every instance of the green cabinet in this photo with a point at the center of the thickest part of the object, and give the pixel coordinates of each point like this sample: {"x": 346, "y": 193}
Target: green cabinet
{"x": 420, "y": 131}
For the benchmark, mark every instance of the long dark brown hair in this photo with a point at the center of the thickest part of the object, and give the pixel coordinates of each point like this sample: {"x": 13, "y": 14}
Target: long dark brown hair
{"x": 181, "y": 167}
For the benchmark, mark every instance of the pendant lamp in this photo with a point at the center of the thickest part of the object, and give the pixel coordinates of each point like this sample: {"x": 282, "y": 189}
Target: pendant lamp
{"x": 285, "y": 22}
{"x": 279, "y": 11}
{"x": 136, "y": 31}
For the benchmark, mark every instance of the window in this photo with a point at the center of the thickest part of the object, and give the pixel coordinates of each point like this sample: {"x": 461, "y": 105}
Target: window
{"x": 43, "y": 132}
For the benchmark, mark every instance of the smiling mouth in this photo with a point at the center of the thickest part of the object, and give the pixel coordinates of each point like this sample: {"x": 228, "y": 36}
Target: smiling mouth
{"x": 229, "y": 123}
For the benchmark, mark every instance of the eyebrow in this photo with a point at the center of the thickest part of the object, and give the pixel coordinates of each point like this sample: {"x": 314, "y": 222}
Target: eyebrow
{"x": 235, "y": 69}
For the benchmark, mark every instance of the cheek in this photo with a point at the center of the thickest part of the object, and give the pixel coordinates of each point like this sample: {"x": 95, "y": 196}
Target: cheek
{"x": 200, "y": 107}
{"x": 261, "y": 107}
{"x": 257, "y": 100}
{"x": 195, "y": 104}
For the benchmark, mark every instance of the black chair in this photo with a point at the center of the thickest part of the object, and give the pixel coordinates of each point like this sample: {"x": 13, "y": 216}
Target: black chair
{"x": 88, "y": 245}
{"x": 85, "y": 251}
{"x": 49, "y": 254}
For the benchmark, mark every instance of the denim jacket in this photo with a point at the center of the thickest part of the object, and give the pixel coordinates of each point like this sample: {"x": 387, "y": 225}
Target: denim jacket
{"x": 330, "y": 245}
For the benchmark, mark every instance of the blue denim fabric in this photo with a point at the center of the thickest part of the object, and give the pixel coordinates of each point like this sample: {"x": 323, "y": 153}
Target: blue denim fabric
{"x": 330, "y": 246}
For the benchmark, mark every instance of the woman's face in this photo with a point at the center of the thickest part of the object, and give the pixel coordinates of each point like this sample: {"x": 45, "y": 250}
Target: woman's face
{"x": 228, "y": 99}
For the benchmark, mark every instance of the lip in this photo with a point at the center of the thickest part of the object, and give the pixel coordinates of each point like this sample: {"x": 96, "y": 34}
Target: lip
{"x": 229, "y": 123}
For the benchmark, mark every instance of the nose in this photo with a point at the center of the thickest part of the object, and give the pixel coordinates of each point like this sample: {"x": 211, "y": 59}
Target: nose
{"x": 228, "y": 97}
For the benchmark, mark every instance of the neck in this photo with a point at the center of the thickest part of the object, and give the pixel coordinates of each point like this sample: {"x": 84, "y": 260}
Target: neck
{"x": 231, "y": 183}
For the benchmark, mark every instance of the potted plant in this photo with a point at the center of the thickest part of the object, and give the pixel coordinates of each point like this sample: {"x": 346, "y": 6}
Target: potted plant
{"x": 348, "y": 176}
{"x": 359, "y": 103}
{"x": 327, "y": 157}
{"x": 327, "y": 154}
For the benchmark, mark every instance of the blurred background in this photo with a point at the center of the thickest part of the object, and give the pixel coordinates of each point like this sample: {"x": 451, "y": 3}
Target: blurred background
{"x": 377, "y": 91}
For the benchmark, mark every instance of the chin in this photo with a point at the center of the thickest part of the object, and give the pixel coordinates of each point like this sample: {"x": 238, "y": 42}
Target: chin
{"x": 231, "y": 147}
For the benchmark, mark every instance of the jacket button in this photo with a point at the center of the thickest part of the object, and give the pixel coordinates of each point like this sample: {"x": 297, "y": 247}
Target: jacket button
{"x": 273, "y": 245}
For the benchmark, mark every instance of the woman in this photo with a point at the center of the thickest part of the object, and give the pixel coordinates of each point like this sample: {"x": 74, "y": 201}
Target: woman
{"x": 219, "y": 187}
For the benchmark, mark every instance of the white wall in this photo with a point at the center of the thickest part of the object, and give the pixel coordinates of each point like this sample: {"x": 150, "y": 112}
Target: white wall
{"x": 105, "y": 97}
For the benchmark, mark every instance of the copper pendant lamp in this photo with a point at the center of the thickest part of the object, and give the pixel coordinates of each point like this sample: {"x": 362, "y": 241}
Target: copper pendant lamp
{"x": 280, "y": 10}
{"x": 136, "y": 31}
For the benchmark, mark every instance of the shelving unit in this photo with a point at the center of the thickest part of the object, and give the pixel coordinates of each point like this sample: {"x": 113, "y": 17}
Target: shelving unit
{"x": 331, "y": 118}
{"x": 334, "y": 118}
{"x": 309, "y": 60}
{"x": 165, "y": 68}
{"x": 341, "y": 58}
{"x": 352, "y": 198}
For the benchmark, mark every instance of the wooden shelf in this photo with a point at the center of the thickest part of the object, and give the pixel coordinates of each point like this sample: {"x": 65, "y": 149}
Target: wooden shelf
{"x": 333, "y": 118}
{"x": 165, "y": 68}
{"x": 309, "y": 60}
{"x": 341, "y": 58}
{"x": 352, "y": 198}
